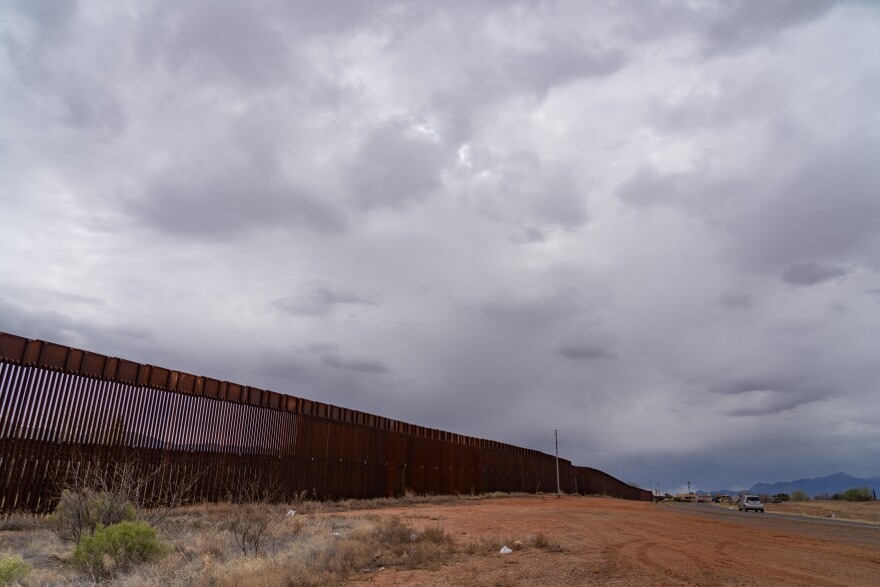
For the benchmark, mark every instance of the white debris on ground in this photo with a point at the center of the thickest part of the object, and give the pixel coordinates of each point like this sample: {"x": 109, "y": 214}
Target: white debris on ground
{"x": 291, "y": 512}
{"x": 505, "y": 550}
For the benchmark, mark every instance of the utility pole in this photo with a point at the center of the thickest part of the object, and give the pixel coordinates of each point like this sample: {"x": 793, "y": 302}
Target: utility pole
{"x": 558, "y": 490}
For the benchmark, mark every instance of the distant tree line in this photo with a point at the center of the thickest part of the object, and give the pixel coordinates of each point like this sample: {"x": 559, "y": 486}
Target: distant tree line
{"x": 853, "y": 494}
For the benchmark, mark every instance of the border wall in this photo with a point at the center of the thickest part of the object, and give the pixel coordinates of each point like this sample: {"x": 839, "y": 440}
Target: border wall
{"x": 62, "y": 409}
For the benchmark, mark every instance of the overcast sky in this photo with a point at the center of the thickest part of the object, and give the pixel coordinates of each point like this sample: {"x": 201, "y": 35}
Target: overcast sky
{"x": 654, "y": 226}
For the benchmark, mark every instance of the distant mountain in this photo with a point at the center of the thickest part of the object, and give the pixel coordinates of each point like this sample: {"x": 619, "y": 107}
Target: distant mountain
{"x": 837, "y": 483}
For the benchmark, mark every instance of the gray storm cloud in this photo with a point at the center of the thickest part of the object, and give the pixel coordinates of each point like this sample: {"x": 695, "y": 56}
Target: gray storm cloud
{"x": 812, "y": 273}
{"x": 654, "y": 230}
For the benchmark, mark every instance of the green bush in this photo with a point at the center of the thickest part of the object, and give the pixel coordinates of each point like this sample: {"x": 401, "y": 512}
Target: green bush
{"x": 858, "y": 494}
{"x": 79, "y": 513}
{"x": 12, "y": 570}
{"x": 799, "y": 495}
{"x": 117, "y": 548}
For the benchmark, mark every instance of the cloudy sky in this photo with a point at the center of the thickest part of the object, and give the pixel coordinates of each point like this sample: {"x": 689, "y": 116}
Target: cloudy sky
{"x": 654, "y": 226}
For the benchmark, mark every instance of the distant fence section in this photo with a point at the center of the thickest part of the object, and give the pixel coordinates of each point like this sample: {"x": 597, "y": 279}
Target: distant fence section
{"x": 64, "y": 409}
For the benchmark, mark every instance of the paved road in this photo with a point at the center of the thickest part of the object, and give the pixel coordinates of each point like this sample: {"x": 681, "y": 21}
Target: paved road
{"x": 821, "y": 528}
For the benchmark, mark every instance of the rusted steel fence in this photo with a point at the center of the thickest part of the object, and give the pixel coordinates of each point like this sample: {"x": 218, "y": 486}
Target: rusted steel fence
{"x": 64, "y": 409}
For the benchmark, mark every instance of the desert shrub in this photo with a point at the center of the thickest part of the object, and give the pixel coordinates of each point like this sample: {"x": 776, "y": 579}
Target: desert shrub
{"x": 541, "y": 541}
{"x": 798, "y": 495}
{"x": 80, "y": 512}
{"x": 253, "y": 526}
{"x": 253, "y": 520}
{"x": 12, "y": 570}
{"x": 117, "y": 548}
{"x": 116, "y": 491}
{"x": 394, "y": 543}
{"x": 857, "y": 494}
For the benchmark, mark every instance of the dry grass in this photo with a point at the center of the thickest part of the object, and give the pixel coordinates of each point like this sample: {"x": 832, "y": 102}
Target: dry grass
{"x": 312, "y": 547}
{"x": 867, "y": 511}
{"x": 491, "y": 545}
{"x": 312, "y": 550}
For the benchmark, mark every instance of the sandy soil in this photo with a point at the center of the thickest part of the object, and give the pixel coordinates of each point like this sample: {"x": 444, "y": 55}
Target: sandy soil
{"x": 608, "y": 541}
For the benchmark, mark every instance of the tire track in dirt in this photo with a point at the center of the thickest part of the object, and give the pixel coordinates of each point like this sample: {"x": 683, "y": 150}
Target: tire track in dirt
{"x": 608, "y": 541}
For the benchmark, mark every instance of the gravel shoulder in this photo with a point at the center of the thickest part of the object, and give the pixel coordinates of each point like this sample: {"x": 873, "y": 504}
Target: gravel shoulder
{"x": 600, "y": 541}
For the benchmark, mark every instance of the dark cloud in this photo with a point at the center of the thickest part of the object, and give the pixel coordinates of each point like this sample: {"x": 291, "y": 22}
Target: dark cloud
{"x": 650, "y": 188}
{"x": 697, "y": 192}
{"x": 357, "y": 365}
{"x": 562, "y": 61}
{"x": 399, "y": 162}
{"x": 320, "y": 300}
{"x": 736, "y": 299}
{"x": 765, "y": 402}
{"x": 528, "y": 312}
{"x": 723, "y": 29}
{"x": 584, "y": 353}
{"x": 60, "y": 327}
{"x": 812, "y": 273}
{"x": 229, "y": 203}
{"x": 531, "y": 234}
{"x": 526, "y": 190}
{"x": 740, "y": 24}
{"x": 824, "y": 207}
{"x": 762, "y": 397}
{"x": 223, "y": 38}
{"x": 51, "y": 17}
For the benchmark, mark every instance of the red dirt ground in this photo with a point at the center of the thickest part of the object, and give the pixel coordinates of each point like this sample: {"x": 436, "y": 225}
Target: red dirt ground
{"x": 608, "y": 541}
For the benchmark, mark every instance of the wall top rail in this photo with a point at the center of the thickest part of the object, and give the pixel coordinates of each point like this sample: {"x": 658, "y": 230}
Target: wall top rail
{"x": 18, "y": 350}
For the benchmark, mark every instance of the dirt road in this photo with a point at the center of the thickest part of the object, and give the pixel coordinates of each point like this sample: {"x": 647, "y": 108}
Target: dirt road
{"x": 603, "y": 541}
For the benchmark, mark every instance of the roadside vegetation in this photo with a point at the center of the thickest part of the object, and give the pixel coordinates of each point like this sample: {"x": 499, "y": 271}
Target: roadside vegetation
{"x": 857, "y": 503}
{"x": 102, "y": 534}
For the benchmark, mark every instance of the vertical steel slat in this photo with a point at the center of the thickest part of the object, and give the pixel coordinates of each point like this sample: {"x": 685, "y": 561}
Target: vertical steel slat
{"x": 50, "y": 442}
{"x": 287, "y": 451}
{"x": 227, "y": 411}
{"x": 15, "y": 452}
{"x": 151, "y": 417}
{"x": 236, "y": 453}
{"x": 99, "y": 422}
{"x": 93, "y": 423}
{"x": 35, "y": 401}
{"x": 62, "y": 445}
{"x": 81, "y": 411}
{"x": 211, "y": 483}
{"x": 50, "y": 417}
{"x": 8, "y": 376}
{"x": 27, "y": 447}
{"x": 205, "y": 452}
{"x": 20, "y": 400}
{"x": 175, "y": 458}
{"x": 39, "y": 447}
{"x": 72, "y": 400}
{"x": 253, "y": 439}
{"x": 305, "y": 456}
{"x": 201, "y": 450}
{"x": 20, "y": 474}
